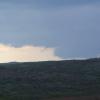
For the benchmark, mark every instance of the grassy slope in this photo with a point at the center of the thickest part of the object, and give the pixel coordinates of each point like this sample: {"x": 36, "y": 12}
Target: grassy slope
{"x": 33, "y": 81}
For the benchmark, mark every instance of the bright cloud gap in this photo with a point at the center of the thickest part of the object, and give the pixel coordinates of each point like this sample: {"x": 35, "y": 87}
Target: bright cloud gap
{"x": 27, "y": 53}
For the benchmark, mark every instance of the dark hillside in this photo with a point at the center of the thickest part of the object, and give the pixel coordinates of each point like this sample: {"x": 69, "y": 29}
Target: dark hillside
{"x": 47, "y": 80}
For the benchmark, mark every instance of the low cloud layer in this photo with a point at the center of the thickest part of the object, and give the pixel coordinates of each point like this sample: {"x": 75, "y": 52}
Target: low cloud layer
{"x": 26, "y": 53}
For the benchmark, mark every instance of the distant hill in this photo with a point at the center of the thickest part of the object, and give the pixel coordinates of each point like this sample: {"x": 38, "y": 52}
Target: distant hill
{"x": 51, "y": 79}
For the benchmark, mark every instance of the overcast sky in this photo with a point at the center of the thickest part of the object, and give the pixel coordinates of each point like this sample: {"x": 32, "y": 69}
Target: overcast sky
{"x": 69, "y": 27}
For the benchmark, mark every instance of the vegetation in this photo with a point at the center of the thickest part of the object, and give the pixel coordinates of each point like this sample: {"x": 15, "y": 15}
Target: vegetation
{"x": 41, "y": 80}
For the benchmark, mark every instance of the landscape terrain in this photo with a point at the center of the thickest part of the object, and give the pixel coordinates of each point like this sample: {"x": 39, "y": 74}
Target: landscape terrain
{"x": 51, "y": 80}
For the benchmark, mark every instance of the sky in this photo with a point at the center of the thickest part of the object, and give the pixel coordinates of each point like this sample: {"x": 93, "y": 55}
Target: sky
{"x": 49, "y": 29}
